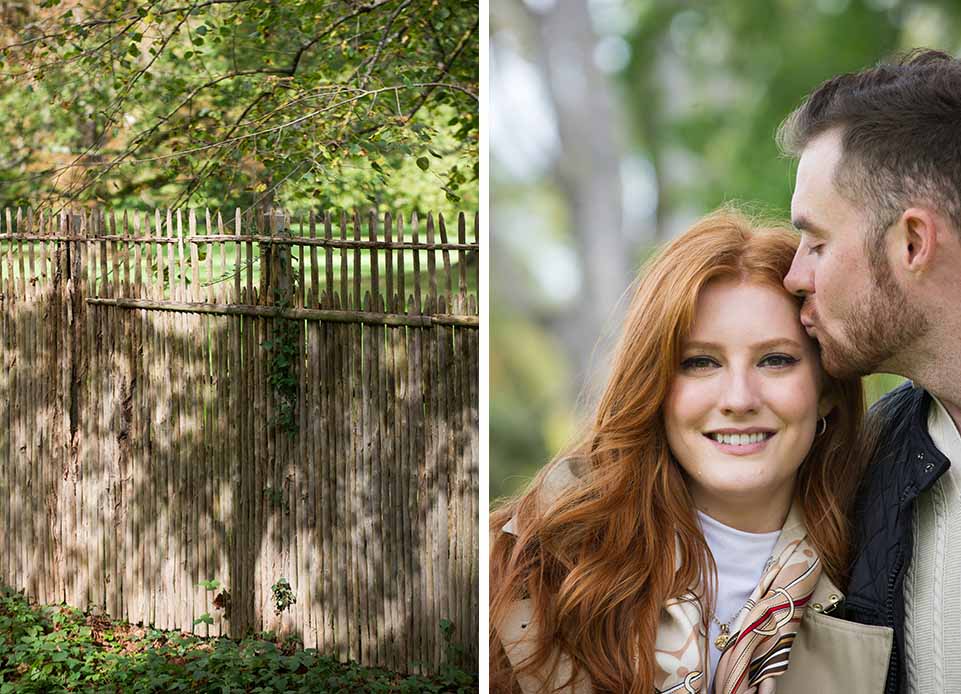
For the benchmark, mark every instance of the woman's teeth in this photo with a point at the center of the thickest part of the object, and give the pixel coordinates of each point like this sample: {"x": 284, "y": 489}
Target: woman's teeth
{"x": 740, "y": 439}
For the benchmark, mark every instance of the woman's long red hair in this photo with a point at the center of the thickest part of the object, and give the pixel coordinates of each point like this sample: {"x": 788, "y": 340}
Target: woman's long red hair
{"x": 599, "y": 562}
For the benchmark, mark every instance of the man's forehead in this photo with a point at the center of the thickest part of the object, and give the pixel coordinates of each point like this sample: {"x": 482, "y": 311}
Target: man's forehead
{"x": 818, "y": 163}
{"x": 816, "y": 200}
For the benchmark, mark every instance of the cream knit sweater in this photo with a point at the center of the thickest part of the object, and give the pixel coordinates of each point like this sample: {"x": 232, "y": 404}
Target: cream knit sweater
{"x": 932, "y": 585}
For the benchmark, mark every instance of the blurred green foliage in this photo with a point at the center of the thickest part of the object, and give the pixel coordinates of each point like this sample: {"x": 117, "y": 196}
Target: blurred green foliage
{"x": 701, "y": 95}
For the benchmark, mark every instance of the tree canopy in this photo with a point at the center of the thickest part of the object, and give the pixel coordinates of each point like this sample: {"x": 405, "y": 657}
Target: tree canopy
{"x": 340, "y": 102}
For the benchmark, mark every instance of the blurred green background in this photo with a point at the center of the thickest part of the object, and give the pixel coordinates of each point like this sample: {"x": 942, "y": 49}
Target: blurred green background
{"x": 614, "y": 125}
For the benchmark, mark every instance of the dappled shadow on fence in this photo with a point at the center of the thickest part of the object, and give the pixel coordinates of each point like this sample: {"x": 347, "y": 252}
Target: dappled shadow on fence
{"x": 141, "y": 454}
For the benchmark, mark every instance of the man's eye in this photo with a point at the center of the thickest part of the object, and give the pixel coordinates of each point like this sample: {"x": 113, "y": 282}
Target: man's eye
{"x": 698, "y": 363}
{"x": 779, "y": 360}
{"x": 816, "y": 248}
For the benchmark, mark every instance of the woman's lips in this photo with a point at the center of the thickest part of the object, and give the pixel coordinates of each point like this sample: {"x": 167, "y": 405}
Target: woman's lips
{"x": 746, "y": 449}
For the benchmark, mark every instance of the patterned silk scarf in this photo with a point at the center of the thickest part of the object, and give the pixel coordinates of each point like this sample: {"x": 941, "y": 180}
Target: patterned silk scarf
{"x": 761, "y": 639}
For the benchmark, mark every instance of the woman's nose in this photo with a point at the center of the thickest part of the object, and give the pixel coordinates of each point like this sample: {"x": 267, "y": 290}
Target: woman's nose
{"x": 739, "y": 394}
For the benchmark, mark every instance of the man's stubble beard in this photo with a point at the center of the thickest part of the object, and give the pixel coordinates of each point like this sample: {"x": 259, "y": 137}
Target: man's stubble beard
{"x": 878, "y": 329}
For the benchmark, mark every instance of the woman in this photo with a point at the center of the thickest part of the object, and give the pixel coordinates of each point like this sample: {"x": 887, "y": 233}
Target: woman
{"x": 678, "y": 546}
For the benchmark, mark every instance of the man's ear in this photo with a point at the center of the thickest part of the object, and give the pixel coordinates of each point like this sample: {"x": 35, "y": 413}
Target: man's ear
{"x": 916, "y": 240}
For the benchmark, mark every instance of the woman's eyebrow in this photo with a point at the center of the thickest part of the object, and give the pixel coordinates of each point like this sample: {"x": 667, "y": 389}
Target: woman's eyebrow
{"x": 698, "y": 344}
{"x": 777, "y": 342}
{"x": 758, "y": 346}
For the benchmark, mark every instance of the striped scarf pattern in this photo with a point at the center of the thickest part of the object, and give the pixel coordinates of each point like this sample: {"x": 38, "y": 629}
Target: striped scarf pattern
{"x": 760, "y": 645}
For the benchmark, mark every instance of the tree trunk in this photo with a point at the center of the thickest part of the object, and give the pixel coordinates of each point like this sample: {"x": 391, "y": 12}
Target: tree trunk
{"x": 588, "y": 173}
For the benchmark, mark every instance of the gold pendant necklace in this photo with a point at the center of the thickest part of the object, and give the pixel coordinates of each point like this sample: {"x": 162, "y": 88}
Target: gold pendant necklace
{"x": 721, "y": 641}
{"x": 725, "y": 636}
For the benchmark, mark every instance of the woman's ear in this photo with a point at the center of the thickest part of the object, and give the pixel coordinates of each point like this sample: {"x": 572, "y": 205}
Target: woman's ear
{"x": 826, "y": 403}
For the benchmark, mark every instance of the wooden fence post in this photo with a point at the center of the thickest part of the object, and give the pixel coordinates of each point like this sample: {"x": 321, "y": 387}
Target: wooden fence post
{"x": 76, "y": 287}
{"x": 280, "y": 271}
{"x": 75, "y": 249}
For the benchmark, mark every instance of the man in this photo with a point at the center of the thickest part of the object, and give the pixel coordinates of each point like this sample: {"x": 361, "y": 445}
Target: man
{"x": 878, "y": 204}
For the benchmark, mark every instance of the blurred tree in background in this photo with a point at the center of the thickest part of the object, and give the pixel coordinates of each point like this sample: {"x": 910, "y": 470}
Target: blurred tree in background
{"x": 204, "y": 102}
{"x": 615, "y": 124}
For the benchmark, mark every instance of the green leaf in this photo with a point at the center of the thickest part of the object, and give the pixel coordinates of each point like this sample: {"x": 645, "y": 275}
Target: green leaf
{"x": 205, "y": 618}
{"x": 423, "y": 163}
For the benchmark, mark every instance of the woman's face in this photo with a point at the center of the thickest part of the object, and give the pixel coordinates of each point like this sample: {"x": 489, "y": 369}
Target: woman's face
{"x": 742, "y": 410}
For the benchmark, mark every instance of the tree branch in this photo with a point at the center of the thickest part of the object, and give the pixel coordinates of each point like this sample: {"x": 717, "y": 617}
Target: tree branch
{"x": 99, "y": 22}
{"x": 383, "y": 42}
{"x": 209, "y": 164}
{"x": 73, "y": 194}
{"x": 444, "y": 68}
{"x": 363, "y": 9}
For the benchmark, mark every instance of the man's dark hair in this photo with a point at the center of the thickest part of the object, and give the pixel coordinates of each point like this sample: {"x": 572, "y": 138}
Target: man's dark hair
{"x": 900, "y": 125}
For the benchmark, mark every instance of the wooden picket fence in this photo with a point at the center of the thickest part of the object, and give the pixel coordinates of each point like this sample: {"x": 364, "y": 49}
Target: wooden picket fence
{"x": 189, "y": 397}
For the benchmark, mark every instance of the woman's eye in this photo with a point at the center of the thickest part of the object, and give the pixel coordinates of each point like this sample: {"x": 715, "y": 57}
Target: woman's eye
{"x": 698, "y": 363}
{"x": 779, "y": 360}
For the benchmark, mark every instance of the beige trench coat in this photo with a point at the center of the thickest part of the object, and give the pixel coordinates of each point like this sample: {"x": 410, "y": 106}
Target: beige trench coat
{"x": 829, "y": 655}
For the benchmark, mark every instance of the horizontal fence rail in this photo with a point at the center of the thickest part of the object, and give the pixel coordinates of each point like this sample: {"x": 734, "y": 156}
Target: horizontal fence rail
{"x": 195, "y": 405}
{"x": 292, "y": 313}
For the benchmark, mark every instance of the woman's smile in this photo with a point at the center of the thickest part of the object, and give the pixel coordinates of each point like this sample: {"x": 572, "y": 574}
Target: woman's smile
{"x": 740, "y": 442}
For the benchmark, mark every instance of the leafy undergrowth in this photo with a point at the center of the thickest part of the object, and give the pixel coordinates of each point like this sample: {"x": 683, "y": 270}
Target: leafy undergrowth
{"x": 52, "y": 649}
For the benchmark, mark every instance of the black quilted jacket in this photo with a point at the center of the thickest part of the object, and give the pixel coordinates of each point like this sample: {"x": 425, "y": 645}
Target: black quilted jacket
{"x": 905, "y": 464}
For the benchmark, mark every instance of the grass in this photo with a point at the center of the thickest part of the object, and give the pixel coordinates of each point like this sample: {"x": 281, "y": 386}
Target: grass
{"x": 54, "y": 649}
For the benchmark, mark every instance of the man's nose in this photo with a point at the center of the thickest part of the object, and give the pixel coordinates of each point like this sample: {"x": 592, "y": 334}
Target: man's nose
{"x": 800, "y": 278}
